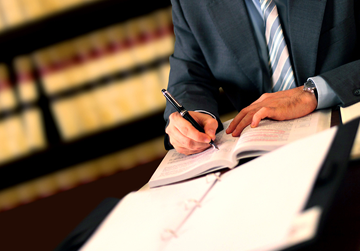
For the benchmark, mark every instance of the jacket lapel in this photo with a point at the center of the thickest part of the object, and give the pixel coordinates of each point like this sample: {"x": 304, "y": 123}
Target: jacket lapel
{"x": 305, "y": 19}
{"x": 232, "y": 23}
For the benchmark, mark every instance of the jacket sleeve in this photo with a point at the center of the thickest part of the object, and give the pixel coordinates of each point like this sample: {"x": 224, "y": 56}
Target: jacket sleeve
{"x": 191, "y": 81}
{"x": 345, "y": 79}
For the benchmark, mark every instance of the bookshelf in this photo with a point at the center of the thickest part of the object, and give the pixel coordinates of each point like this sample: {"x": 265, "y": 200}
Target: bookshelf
{"x": 26, "y": 99}
{"x": 69, "y": 79}
{"x": 71, "y": 22}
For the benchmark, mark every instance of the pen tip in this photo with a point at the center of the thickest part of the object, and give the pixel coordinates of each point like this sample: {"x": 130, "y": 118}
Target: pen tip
{"x": 214, "y": 146}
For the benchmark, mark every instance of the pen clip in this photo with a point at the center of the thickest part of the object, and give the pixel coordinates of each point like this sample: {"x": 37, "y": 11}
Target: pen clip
{"x": 173, "y": 101}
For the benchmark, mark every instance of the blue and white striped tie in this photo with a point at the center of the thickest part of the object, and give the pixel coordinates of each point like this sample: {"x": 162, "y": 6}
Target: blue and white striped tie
{"x": 279, "y": 62}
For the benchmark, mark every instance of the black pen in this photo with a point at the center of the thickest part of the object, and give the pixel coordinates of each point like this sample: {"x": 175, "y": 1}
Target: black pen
{"x": 185, "y": 114}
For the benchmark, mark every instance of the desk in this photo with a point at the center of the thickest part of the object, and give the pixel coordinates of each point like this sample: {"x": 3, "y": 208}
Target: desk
{"x": 341, "y": 231}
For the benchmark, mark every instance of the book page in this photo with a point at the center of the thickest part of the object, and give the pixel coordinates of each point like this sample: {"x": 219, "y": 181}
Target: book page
{"x": 176, "y": 166}
{"x": 270, "y": 134}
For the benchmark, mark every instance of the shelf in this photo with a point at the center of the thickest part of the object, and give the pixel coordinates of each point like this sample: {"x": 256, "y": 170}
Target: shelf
{"x": 61, "y": 26}
{"x": 67, "y": 24}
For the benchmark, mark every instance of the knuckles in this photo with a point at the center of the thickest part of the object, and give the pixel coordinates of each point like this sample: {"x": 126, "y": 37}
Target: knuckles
{"x": 265, "y": 95}
{"x": 173, "y": 116}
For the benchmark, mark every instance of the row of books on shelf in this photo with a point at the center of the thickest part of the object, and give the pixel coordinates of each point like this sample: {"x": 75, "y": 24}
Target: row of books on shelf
{"x": 83, "y": 173}
{"x": 111, "y": 104}
{"x": 17, "y": 12}
{"x": 91, "y": 111}
{"x": 91, "y": 83}
{"x": 87, "y": 59}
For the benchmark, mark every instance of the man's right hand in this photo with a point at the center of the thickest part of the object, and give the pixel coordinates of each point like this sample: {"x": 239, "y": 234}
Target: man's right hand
{"x": 185, "y": 138}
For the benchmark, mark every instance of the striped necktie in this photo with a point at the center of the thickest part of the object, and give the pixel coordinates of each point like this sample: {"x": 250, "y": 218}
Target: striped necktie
{"x": 279, "y": 62}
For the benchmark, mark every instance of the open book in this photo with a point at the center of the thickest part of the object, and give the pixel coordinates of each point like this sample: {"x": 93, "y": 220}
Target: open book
{"x": 252, "y": 142}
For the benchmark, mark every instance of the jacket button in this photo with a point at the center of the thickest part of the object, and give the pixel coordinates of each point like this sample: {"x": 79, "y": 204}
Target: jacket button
{"x": 356, "y": 92}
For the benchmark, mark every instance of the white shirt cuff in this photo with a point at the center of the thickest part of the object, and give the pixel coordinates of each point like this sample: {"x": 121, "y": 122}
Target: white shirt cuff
{"x": 326, "y": 96}
{"x": 206, "y": 112}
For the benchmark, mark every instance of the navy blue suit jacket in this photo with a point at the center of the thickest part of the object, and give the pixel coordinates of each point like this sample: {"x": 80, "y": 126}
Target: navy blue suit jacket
{"x": 215, "y": 47}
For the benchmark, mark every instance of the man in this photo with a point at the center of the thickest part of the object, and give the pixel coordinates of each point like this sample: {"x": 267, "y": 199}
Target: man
{"x": 224, "y": 43}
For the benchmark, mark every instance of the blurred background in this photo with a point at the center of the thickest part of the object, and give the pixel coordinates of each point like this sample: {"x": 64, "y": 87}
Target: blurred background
{"x": 80, "y": 110}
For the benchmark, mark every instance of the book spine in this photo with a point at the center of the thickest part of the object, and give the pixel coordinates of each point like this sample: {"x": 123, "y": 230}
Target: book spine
{"x": 16, "y": 139}
{"x": 100, "y": 50}
{"x": 51, "y": 77}
{"x": 88, "y": 112}
{"x": 12, "y": 12}
{"x": 72, "y": 71}
{"x": 5, "y": 153}
{"x": 120, "y": 48}
{"x": 165, "y": 38}
{"x": 33, "y": 9}
{"x": 140, "y": 33}
{"x": 2, "y": 20}
{"x": 66, "y": 118}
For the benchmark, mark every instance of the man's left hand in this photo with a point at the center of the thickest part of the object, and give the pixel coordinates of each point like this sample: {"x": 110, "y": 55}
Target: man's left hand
{"x": 282, "y": 105}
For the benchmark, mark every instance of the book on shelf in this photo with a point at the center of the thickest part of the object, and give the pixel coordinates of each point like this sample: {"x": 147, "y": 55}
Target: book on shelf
{"x": 12, "y": 12}
{"x": 87, "y": 80}
{"x": 18, "y": 12}
{"x": 252, "y": 142}
{"x": 91, "y": 80}
{"x": 251, "y": 207}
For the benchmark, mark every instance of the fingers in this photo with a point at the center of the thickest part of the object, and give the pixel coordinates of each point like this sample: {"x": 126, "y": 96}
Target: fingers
{"x": 185, "y": 145}
{"x": 185, "y": 138}
{"x": 210, "y": 127}
{"x": 246, "y": 120}
{"x": 238, "y": 118}
{"x": 264, "y": 112}
{"x": 282, "y": 105}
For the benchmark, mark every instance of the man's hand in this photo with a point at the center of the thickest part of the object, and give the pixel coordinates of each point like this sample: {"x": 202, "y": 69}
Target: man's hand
{"x": 283, "y": 105}
{"x": 185, "y": 138}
